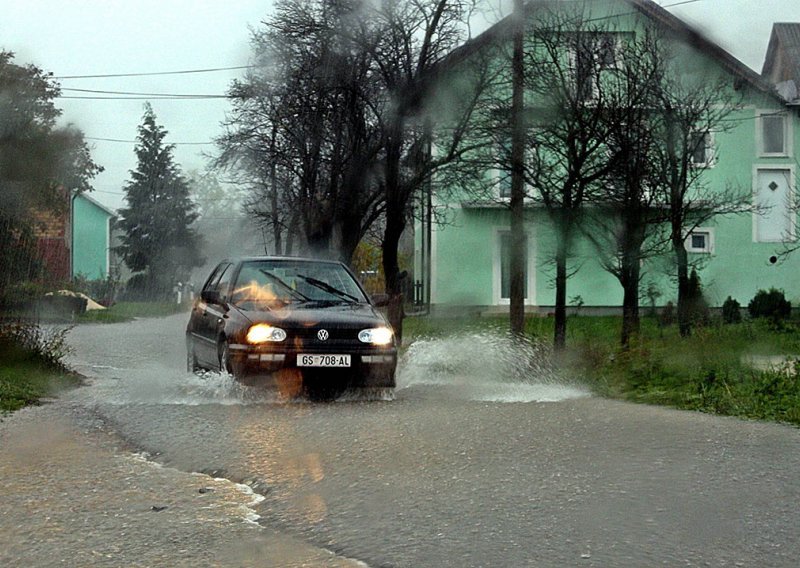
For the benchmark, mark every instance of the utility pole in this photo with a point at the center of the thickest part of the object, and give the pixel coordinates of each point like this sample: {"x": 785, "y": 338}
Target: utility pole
{"x": 518, "y": 238}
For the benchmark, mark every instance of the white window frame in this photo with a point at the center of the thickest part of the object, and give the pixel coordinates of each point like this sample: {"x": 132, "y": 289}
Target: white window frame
{"x": 710, "y": 241}
{"x": 710, "y": 152}
{"x": 497, "y": 285}
{"x": 597, "y": 68}
{"x": 792, "y": 236}
{"x": 498, "y": 176}
{"x": 787, "y": 134}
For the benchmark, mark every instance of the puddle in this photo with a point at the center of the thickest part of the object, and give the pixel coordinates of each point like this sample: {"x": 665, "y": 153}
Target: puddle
{"x": 485, "y": 367}
{"x": 772, "y": 363}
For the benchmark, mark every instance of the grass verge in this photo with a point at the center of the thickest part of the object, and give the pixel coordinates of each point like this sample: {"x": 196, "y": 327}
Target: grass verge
{"x": 25, "y": 381}
{"x": 749, "y": 370}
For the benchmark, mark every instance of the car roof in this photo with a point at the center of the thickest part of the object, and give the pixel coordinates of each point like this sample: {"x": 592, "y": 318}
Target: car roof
{"x": 240, "y": 259}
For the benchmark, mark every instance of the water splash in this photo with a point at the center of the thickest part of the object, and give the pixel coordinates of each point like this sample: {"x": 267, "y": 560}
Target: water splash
{"x": 486, "y": 366}
{"x": 170, "y": 386}
{"x": 489, "y": 367}
{"x": 157, "y": 384}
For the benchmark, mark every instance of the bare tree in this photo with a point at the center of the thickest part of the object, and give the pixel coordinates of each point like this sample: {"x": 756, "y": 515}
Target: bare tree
{"x": 569, "y": 157}
{"x": 414, "y": 38}
{"x": 626, "y": 212}
{"x": 340, "y": 121}
{"x": 693, "y": 111}
{"x": 565, "y": 130}
{"x": 304, "y": 125}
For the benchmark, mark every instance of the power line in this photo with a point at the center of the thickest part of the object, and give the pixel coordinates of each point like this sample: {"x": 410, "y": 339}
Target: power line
{"x": 139, "y": 94}
{"x": 149, "y": 74}
{"x": 141, "y": 98}
{"x": 679, "y": 3}
{"x": 136, "y": 141}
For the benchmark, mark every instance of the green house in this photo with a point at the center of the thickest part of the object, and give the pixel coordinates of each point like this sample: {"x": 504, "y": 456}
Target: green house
{"x": 91, "y": 238}
{"x": 464, "y": 263}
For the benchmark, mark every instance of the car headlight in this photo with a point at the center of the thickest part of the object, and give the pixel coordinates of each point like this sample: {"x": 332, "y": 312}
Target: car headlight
{"x": 263, "y": 333}
{"x": 376, "y": 336}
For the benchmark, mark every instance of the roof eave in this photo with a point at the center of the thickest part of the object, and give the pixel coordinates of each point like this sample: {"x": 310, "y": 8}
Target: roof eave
{"x": 648, "y": 8}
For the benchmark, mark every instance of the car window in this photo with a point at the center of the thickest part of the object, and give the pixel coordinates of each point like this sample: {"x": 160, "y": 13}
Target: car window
{"x": 294, "y": 281}
{"x": 223, "y": 283}
{"x": 213, "y": 280}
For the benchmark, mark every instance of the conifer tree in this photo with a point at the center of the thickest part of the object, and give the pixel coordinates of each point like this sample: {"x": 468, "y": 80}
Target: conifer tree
{"x": 158, "y": 241}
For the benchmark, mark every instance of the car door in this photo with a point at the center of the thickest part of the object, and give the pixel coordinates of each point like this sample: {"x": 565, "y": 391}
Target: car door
{"x": 208, "y": 316}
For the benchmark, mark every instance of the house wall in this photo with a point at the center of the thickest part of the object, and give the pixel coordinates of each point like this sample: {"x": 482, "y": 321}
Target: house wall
{"x": 51, "y": 230}
{"x": 463, "y": 257}
{"x": 90, "y": 240}
{"x": 465, "y": 252}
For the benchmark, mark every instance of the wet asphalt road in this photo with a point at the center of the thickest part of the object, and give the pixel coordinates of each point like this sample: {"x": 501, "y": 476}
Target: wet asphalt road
{"x": 463, "y": 468}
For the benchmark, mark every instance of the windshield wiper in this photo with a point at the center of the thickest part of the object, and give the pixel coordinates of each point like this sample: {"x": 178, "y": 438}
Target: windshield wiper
{"x": 330, "y": 289}
{"x": 280, "y": 282}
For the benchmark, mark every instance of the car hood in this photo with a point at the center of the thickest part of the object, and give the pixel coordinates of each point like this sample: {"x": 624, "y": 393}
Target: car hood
{"x": 310, "y": 314}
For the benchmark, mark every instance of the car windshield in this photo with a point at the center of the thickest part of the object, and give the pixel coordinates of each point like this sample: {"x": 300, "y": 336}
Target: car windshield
{"x": 282, "y": 281}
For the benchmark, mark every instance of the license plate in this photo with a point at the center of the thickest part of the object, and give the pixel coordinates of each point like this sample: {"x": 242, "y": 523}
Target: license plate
{"x": 304, "y": 360}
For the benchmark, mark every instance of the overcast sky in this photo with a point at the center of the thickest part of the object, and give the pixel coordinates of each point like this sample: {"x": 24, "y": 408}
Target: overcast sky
{"x": 99, "y": 37}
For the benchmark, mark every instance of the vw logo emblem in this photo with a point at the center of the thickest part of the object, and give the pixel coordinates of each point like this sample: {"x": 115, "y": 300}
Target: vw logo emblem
{"x": 323, "y": 335}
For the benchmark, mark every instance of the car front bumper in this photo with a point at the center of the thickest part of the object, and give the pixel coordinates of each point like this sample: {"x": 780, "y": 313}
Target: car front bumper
{"x": 369, "y": 366}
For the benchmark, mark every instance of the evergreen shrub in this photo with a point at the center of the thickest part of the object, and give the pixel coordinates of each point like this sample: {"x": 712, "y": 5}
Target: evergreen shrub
{"x": 731, "y": 311}
{"x": 771, "y": 305}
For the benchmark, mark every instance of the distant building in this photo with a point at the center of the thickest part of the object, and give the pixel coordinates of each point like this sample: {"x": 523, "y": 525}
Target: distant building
{"x": 52, "y": 232}
{"x": 782, "y": 64}
{"x": 91, "y": 238}
{"x": 75, "y": 241}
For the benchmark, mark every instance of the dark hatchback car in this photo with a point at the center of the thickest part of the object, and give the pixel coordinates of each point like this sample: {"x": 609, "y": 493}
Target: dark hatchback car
{"x": 281, "y": 316}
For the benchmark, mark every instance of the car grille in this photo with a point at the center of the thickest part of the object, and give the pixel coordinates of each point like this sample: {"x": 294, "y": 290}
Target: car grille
{"x": 308, "y": 337}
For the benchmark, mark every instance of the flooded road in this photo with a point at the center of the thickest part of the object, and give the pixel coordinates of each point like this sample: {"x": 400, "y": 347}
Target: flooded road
{"x": 478, "y": 460}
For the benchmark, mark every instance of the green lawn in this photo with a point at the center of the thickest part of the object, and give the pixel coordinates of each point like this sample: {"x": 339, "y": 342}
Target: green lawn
{"x": 711, "y": 371}
{"x": 25, "y": 378}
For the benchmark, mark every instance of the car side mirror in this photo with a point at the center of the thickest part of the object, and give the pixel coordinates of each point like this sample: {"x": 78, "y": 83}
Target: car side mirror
{"x": 211, "y": 297}
{"x": 380, "y": 300}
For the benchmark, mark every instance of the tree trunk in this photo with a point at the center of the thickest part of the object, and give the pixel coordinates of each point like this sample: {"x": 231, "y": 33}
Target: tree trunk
{"x": 391, "y": 271}
{"x": 560, "y": 332}
{"x": 291, "y": 233}
{"x": 684, "y": 311}
{"x": 518, "y": 260}
{"x": 629, "y": 278}
{"x": 395, "y": 224}
{"x": 347, "y": 236}
{"x": 273, "y": 193}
